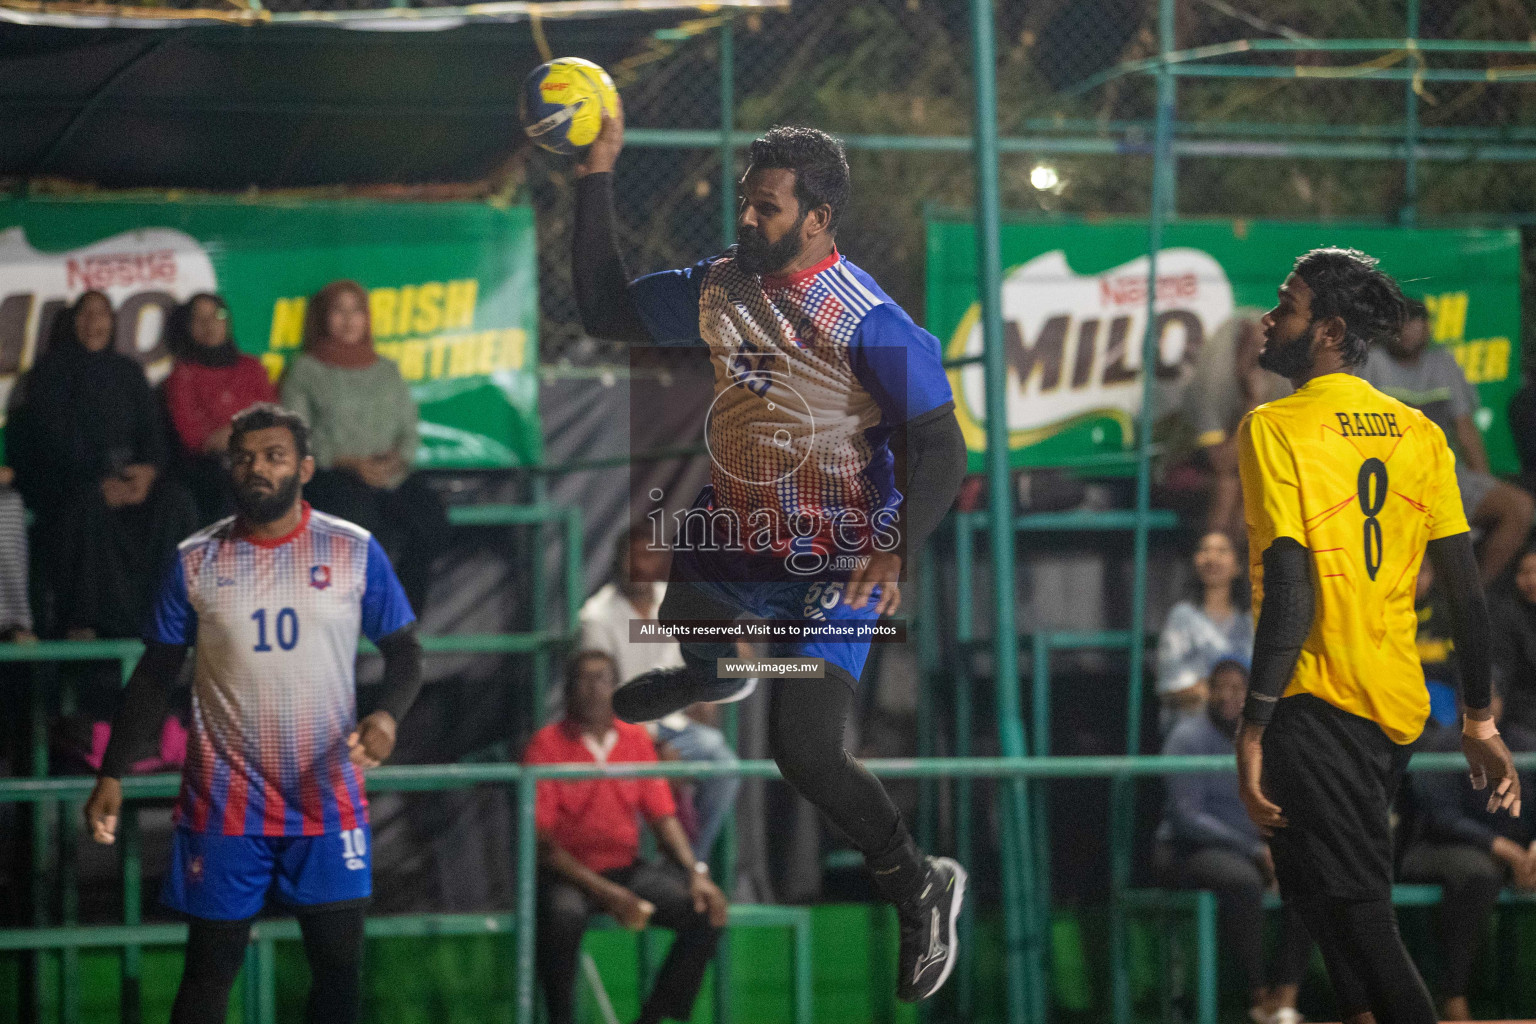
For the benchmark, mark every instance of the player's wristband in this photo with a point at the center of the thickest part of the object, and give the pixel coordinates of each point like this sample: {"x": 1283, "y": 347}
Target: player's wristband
{"x": 1259, "y": 708}
{"x": 1479, "y": 729}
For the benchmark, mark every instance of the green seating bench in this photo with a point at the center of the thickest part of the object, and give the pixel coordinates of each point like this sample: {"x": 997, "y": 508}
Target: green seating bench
{"x": 1168, "y": 903}
{"x": 260, "y": 989}
{"x": 755, "y": 915}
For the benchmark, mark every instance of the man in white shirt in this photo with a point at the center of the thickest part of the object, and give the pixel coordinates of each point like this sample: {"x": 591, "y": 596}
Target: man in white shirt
{"x": 635, "y": 591}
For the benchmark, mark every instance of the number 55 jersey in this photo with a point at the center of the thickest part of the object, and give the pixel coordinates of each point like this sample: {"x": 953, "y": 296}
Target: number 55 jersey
{"x": 1363, "y": 482}
{"x": 275, "y": 624}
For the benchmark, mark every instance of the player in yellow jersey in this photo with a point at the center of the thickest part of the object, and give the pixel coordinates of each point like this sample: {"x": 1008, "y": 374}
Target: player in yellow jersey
{"x": 1345, "y": 490}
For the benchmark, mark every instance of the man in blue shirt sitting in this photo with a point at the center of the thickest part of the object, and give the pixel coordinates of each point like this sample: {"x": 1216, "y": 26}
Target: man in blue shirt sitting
{"x": 1206, "y": 841}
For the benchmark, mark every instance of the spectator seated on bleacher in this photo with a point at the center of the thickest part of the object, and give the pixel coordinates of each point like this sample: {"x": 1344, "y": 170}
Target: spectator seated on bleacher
{"x": 635, "y": 592}
{"x": 362, "y": 423}
{"x": 88, "y": 445}
{"x": 589, "y": 852}
{"x": 1206, "y": 841}
{"x": 1514, "y": 643}
{"x": 1448, "y": 838}
{"x": 1213, "y": 623}
{"x": 1428, "y": 378}
{"x": 211, "y": 382}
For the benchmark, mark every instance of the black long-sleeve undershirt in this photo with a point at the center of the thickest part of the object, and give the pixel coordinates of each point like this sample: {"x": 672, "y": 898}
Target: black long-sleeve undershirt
{"x": 930, "y": 463}
{"x": 1456, "y": 572}
{"x": 1285, "y": 619}
{"x": 146, "y": 696}
{"x": 597, "y": 267}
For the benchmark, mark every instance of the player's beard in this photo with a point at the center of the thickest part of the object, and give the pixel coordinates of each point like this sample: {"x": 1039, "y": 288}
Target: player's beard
{"x": 261, "y": 507}
{"x": 1289, "y": 358}
{"x": 756, "y": 255}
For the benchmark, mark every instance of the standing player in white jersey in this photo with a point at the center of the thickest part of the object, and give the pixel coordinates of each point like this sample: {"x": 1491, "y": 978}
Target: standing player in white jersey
{"x": 819, "y": 375}
{"x": 273, "y": 599}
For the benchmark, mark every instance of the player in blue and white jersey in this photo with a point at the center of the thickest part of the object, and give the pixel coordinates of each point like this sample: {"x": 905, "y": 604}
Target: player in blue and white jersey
{"x": 273, "y": 599}
{"x": 818, "y": 377}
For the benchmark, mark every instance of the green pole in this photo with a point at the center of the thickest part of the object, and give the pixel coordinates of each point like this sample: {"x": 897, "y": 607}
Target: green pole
{"x": 725, "y": 872}
{"x": 965, "y": 538}
{"x": 727, "y": 129}
{"x": 1123, "y": 791}
{"x": 69, "y": 882}
{"x": 1022, "y": 979}
{"x": 40, "y": 820}
{"x": 69, "y": 906}
{"x": 540, "y": 598}
{"x": 1410, "y": 211}
{"x": 133, "y": 897}
{"x": 1040, "y": 834}
{"x": 927, "y": 677}
{"x": 527, "y": 854}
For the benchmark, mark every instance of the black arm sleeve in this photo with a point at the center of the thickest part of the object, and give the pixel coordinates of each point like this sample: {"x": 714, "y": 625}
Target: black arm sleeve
{"x": 1284, "y": 622}
{"x": 145, "y": 699}
{"x": 597, "y": 268}
{"x": 930, "y": 463}
{"x": 1456, "y": 572}
{"x": 402, "y": 671}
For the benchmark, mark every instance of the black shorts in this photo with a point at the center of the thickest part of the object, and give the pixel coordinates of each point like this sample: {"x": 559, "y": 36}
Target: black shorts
{"x": 1334, "y": 776}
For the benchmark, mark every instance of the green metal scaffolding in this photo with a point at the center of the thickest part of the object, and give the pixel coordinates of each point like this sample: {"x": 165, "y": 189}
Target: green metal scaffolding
{"x": 1025, "y": 744}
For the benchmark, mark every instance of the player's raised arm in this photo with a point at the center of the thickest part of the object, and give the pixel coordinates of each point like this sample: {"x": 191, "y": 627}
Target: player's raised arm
{"x": 597, "y": 268}
{"x": 661, "y": 308}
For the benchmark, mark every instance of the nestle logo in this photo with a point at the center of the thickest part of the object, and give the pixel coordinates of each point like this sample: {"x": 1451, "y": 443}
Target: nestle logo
{"x": 1131, "y": 289}
{"x": 121, "y": 269}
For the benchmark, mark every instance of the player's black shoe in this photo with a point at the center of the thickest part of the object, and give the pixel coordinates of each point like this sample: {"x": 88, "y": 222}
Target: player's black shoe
{"x": 659, "y": 692}
{"x": 929, "y": 941}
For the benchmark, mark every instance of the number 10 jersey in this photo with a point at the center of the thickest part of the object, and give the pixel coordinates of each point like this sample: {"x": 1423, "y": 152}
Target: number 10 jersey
{"x": 1363, "y": 482}
{"x": 275, "y": 624}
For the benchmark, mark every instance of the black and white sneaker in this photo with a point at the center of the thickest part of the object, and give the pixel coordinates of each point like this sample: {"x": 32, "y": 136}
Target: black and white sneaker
{"x": 656, "y": 694}
{"x": 929, "y": 941}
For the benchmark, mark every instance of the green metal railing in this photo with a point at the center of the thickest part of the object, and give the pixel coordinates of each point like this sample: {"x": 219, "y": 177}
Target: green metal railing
{"x": 132, "y": 935}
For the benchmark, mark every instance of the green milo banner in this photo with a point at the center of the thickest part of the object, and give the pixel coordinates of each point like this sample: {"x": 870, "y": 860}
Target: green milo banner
{"x": 1075, "y": 309}
{"x": 452, "y": 291}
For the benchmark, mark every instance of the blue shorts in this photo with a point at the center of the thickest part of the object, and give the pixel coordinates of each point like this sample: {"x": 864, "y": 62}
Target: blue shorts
{"x": 720, "y": 577}
{"x": 226, "y": 878}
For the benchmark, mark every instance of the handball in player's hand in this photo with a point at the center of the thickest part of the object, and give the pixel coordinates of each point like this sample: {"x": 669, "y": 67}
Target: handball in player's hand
{"x": 563, "y": 104}
{"x": 371, "y": 743}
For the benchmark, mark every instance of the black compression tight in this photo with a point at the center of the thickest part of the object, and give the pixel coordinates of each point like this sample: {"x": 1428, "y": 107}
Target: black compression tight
{"x": 215, "y": 951}
{"x": 333, "y": 943}
{"x": 806, "y": 719}
{"x": 1367, "y": 962}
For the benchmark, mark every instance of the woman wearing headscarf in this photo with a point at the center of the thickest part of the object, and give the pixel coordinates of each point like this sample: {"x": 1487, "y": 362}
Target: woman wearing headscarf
{"x": 85, "y": 437}
{"x": 363, "y": 435}
{"x": 212, "y": 381}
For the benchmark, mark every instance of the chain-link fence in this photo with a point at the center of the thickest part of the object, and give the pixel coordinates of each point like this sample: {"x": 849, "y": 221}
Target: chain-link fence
{"x": 893, "y": 77}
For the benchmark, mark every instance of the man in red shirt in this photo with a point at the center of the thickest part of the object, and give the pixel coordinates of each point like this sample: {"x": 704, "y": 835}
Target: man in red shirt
{"x": 589, "y": 851}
